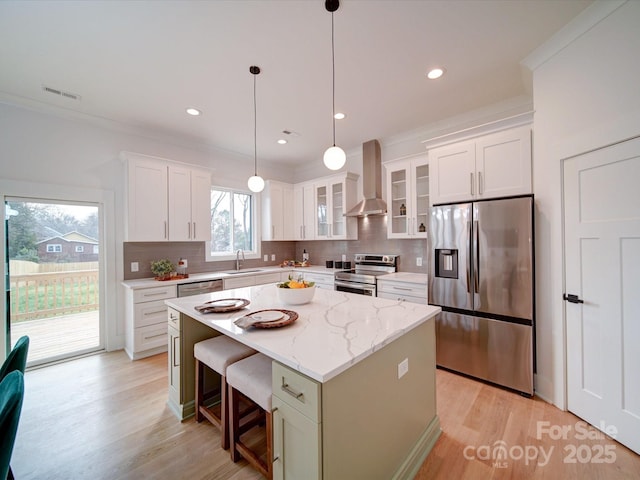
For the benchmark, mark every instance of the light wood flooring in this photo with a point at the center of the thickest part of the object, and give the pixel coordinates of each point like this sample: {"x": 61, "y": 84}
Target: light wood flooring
{"x": 105, "y": 417}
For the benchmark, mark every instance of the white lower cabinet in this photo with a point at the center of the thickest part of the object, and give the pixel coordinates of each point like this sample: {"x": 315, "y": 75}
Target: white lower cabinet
{"x": 146, "y": 320}
{"x": 403, "y": 290}
{"x": 297, "y": 433}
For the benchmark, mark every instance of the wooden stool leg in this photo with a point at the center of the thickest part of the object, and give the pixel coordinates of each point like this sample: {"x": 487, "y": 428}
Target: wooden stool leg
{"x": 234, "y": 424}
{"x": 224, "y": 412}
{"x": 199, "y": 390}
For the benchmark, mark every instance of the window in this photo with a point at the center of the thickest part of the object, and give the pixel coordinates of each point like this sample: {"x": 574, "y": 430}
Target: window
{"x": 233, "y": 224}
{"x": 96, "y": 249}
{"x": 54, "y": 248}
{"x": 79, "y": 248}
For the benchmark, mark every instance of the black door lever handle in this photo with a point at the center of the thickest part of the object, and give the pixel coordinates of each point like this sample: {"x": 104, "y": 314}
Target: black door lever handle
{"x": 572, "y": 298}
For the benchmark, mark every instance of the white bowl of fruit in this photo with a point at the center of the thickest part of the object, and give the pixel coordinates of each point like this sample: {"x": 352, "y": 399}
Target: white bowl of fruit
{"x": 296, "y": 292}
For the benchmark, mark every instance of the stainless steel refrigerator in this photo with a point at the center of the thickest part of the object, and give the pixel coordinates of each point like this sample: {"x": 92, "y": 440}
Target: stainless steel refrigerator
{"x": 481, "y": 264}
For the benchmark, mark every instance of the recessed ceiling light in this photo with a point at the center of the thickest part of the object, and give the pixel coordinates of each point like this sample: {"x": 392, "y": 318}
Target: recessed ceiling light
{"x": 282, "y": 141}
{"x": 193, "y": 111}
{"x": 435, "y": 73}
{"x": 339, "y": 116}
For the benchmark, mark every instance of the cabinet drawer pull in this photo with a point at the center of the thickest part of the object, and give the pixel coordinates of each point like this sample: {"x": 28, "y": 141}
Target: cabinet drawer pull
{"x": 154, "y": 312}
{"x": 400, "y": 288}
{"x": 155, "y": 336}
{"x": 194, "y": 230}
{"x": 176, "y": 357}
{"x": 471, "y": 182}
{"x": 297, "y": 395}
{"x": 153, "y": 294}
{"x": 480, "y": 183}
{"x": 165, "y": 229}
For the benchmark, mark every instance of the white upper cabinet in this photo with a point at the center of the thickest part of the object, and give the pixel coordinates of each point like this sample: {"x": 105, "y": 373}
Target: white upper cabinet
{"x": 303, "y": 211}
{"x": 407, "y": 197}
{"x": 277, "y": 211}
{"x": 488, "y": 166}
{"x": 334, "y": 196}
{"x": 166, "y": 202}
{"x": 147, "y": 201}
{"x": 189, "y": 204}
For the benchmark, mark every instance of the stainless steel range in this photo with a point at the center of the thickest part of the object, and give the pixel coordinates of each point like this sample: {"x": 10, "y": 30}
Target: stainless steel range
{"x": 363, "y": 278}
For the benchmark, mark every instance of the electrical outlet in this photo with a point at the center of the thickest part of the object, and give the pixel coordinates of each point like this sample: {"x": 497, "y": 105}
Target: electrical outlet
{"x": 266, "y": 257}
{"x": 134, "y": 266}
{"x": 403, "y": 367}
{"x": 418, "y": 261}
{"x": 273, "y": 257}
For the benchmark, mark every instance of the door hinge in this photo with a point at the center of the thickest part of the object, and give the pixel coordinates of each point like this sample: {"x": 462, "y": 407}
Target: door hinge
{"x": 571, "y": 298}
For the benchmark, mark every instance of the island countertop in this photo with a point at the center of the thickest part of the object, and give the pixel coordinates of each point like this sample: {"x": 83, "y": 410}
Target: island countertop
{"x": 333, "y": 332}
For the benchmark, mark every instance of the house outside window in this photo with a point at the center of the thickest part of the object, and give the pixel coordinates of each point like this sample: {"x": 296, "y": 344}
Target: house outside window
{"x": 79, "y": 248}
{"x": 54, "y": 248}
{"x": 233, "y": 224}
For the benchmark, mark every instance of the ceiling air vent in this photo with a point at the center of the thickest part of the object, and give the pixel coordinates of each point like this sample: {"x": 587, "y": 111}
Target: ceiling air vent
{"x": 61, "y": 93}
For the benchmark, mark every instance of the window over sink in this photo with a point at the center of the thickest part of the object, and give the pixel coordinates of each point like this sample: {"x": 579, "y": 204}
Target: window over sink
{"x": 233, "y": 224}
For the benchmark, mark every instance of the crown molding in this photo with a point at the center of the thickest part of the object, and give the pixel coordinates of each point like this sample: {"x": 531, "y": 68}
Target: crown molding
{"x": 581, "y": 24}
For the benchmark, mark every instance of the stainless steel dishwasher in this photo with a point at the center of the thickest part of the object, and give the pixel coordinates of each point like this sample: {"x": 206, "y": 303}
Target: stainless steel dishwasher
{"x": 196, "y": 288}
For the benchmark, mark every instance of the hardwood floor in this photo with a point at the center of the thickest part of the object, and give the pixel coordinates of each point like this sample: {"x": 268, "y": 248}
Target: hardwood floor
{"x": 105, "y": 417}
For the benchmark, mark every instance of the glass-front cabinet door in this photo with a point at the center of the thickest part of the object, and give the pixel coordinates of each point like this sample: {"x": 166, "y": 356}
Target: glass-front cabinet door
{"x": 322, "y": 221}
{"x": 397, "y": 207}
{"x": 334, "y": 196}
{"x": 337, "y": 210}
{"x": 407, "y": 197}
{"x": 421, "y": 197}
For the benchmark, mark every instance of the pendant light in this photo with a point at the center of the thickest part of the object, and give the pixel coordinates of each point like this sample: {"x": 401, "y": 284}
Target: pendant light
{"x": 334, "y": 157}
{"x": 255, "y": 183}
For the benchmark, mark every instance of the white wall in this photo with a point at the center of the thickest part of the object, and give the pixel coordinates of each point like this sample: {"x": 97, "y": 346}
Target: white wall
{"x": 585, "y": 96}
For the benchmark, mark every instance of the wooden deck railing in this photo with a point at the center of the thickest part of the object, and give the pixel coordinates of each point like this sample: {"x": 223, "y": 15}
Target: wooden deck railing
{"x": 43, "y": 295}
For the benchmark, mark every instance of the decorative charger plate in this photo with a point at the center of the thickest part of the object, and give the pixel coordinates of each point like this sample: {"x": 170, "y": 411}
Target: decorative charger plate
{"x": 272, "y": 319}
{"x": 223, "y": 305}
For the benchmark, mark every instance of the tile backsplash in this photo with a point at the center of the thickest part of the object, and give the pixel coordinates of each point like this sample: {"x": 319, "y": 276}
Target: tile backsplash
{"x": 372, "y": 238}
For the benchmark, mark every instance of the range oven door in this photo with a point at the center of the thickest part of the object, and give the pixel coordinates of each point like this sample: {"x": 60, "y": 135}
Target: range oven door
{"x": 354, "y": 287}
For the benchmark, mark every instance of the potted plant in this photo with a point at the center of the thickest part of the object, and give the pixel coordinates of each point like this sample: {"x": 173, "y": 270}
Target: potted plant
{"x": 162, "y": 269}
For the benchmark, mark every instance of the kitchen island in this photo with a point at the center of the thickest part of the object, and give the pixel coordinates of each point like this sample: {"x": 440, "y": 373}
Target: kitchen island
{"x": 365, "y": 367}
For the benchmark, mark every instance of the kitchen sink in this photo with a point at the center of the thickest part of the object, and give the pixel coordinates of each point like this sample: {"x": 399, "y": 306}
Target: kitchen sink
{"x": 235, "y": 272}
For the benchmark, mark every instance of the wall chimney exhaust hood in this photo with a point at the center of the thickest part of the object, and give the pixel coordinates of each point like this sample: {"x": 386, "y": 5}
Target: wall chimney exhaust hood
{"x": 373, "y": 204}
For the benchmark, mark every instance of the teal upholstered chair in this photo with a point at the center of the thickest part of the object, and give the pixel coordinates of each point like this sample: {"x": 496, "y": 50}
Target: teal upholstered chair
{"x": 17, "y": 359}
{"x": 11, "y": 396}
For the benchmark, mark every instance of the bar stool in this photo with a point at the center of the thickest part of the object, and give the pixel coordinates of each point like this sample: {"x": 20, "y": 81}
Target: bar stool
{"x": 216, "y": 353}
{"x": 251, "y": 378}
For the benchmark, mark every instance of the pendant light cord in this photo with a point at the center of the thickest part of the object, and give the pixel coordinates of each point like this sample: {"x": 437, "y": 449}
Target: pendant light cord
{"x": 255, "y": 129}
{"x": 333, "y": 85}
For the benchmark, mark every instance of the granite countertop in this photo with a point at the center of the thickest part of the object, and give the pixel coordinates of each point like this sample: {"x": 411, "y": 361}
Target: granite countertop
{"x": 200, "y": 277}
{"x": 333, "y": 332}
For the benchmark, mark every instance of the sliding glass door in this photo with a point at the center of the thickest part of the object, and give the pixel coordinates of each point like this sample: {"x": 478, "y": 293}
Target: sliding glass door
{"x": 54, "y": 277}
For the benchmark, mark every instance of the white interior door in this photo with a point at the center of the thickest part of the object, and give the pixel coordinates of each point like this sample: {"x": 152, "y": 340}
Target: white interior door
{"x": 602, "y": 255}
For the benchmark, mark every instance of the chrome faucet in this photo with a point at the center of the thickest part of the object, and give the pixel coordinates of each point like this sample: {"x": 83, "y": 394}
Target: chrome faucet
{"x": 238, "y": 263}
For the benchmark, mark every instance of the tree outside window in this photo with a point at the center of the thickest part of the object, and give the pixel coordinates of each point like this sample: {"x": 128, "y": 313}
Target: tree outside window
{"x": 232, "y": 222}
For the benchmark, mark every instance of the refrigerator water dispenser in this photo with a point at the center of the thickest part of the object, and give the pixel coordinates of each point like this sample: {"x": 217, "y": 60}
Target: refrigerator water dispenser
{"x": 446, "y": 263}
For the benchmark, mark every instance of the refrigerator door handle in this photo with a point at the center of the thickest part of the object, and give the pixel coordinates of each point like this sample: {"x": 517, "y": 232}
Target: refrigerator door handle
{"x": 476, "y": 259}
{"x": 469, "y": 236}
